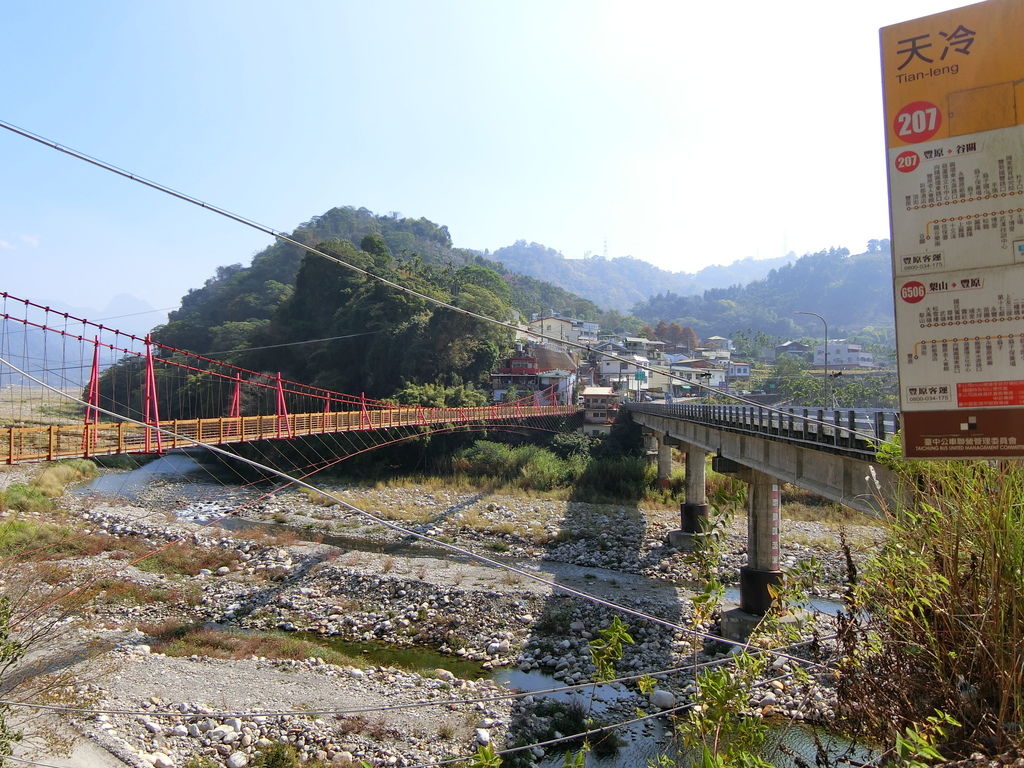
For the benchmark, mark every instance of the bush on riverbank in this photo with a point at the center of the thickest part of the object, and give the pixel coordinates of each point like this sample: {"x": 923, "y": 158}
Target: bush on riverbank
{"x": 37, "y": 495}
{"x": 938, "y": 617}
{"x": 587, "y": 478}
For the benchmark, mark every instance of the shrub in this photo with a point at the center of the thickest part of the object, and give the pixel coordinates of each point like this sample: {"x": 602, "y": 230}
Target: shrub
{"x": 543, "y": 471}
{"x": 615, "y": 479}
{"x": 277, "y": 755}
{"x": 937, "y": 623}
{"x": 488, "y": 459}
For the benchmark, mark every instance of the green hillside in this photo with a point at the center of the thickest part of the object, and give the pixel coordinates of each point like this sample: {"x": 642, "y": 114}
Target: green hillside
{"x": 851, "y": 291}
{"x": 241, "y": 300}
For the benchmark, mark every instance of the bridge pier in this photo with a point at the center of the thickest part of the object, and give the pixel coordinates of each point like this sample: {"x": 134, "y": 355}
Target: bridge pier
{"x": 664, "y": 461}
{"x": 693, "y": 513}
{"x": 764, "y": 516}
{"x": 834, "y": 459}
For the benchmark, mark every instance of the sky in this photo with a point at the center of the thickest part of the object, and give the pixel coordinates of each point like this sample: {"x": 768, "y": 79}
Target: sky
{"x": 681, "y": 134}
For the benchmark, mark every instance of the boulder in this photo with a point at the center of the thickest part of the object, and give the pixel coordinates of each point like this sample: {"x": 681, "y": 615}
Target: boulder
{"x": 661, "y": 699}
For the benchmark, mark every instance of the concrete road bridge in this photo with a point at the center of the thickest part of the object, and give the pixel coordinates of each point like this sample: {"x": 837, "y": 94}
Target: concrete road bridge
{"x": 829, "y": 452}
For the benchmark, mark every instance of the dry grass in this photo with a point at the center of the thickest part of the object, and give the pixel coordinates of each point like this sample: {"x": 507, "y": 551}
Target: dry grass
{"x": 120, "y": 592}
{"x": 20, "y": 538}
{"x": 832, "y": 516}
{"x": 186, "y": 561}
{"x": 823, "y": 542}
{"x": 32, "y": 406}
{"x": 271, "y": 538}
{"x": 314, "y": 497}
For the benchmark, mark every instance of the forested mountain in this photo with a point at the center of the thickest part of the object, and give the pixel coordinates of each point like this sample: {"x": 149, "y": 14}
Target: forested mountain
{"x": 240, "y": 300}
{"x": 380, "y": 338}
{"x": 852, "y": 292}
{"x": 622, "y": 282}
{"x": 294, "y": 312}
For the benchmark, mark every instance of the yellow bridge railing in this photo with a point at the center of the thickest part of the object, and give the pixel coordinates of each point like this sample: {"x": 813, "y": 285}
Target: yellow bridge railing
{"x": 26, "y": 444}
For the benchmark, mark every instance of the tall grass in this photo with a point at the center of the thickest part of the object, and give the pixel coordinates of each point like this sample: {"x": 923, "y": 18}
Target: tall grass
{"x": 48, "y": 484}
{"x": 529, "y": 467}
{"x": 582, "y": 476}
{"x": 939, "y": 613}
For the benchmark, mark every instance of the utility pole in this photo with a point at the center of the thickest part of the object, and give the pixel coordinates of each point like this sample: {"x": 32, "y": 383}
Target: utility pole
{"x": 828, "y": 380}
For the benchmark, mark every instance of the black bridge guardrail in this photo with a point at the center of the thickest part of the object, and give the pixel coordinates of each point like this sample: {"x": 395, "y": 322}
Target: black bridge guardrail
{"x": 854, "y": 432}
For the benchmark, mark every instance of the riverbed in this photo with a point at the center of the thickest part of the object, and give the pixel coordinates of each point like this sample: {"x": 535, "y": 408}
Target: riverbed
{"x": 378, "y": 591}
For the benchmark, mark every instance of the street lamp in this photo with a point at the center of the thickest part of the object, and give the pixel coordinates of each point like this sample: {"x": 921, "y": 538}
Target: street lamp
{"x": 828, "y": 400}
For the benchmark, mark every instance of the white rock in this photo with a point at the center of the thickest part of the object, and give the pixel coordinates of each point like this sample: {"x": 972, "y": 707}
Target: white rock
{"x": 661, "y": 699}
{"x": 224, "y": 571}
{"x": 221, "y": 732}
{"x": 237, "y": 760}
{"x": 179, "y": 730}
{"x": 160, "y": 760}
{"x": 483, "y": 736}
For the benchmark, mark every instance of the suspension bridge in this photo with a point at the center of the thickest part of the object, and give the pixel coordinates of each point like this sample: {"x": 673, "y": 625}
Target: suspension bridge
{"x": 124, "y": 393}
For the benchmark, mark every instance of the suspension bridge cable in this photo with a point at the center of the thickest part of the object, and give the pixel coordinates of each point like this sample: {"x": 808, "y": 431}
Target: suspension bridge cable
{"x": 366, "y": 273}
{"x": 416, "y": 534}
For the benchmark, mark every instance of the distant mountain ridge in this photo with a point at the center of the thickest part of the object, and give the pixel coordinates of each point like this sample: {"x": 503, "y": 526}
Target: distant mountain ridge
{"x": 853, "y": 292}
{"x": 623, "y": 282}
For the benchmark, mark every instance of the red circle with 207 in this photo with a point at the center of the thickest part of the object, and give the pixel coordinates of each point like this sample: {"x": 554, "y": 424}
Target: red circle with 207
{"x": 907, "y": 161}
{"x": 912, "y": 292}
{"x": 918, "y": 121}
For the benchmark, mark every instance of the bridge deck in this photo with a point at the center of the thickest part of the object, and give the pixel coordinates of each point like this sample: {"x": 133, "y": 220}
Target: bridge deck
{"x": 26, "y": 444}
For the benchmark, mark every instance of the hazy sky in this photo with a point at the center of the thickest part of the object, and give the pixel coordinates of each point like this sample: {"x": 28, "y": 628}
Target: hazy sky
{"x": 680, "y": 133}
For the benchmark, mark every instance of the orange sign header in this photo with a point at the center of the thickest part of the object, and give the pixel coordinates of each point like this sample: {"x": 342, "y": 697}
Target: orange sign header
{"x": 953, "y": 73}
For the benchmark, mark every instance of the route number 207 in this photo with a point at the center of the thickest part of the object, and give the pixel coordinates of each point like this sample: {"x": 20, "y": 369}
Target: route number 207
{"x": 917, "y": 121}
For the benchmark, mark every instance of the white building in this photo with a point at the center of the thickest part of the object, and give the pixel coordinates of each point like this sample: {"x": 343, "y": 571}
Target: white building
{"x": 684, "y": 377}
{"x": 554, "y": 329}
{"x": 842, "y": 354}
{"x": 622, "y": 374}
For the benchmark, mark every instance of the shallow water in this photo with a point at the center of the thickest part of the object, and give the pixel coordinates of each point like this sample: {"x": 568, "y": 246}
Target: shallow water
{"x": 414, "y": 658}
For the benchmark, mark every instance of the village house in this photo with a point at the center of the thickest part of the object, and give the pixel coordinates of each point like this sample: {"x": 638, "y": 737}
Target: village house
{"x": 535, "y": 369}
{"x": 600, "y": 407}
